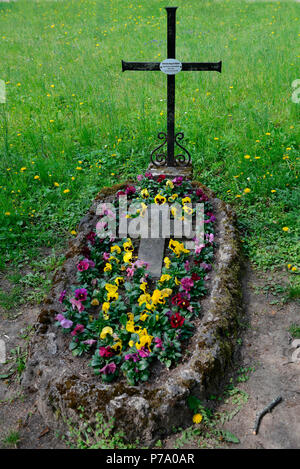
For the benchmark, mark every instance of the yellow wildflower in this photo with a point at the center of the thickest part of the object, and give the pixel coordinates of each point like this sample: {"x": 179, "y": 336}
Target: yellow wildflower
{"x": 197, "y": 418}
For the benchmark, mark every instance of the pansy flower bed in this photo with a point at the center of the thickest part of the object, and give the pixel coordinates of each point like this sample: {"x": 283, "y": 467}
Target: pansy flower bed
{"x": 121, "y": 315}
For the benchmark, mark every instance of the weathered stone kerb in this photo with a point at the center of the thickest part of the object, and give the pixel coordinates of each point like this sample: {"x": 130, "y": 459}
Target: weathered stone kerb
{"x": 63, "y": 383}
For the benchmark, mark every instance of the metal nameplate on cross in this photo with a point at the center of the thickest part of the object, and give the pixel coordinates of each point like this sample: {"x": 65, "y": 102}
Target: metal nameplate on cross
{"x": 171, "y": 66}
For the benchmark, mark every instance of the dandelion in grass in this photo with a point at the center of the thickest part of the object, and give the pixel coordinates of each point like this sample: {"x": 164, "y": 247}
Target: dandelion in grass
{"x": 197, "y": 418}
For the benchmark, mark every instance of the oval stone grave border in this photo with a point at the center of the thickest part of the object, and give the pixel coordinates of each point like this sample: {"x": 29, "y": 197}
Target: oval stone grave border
{"x": 64, "y": 383}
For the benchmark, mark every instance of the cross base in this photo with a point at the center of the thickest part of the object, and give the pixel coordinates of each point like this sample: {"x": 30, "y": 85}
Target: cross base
{"x": 171, "y": 171}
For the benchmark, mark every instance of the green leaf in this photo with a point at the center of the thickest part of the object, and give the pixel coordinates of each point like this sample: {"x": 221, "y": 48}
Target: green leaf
{"x": 193, "y": 402}
{"x": 230, "y": 437}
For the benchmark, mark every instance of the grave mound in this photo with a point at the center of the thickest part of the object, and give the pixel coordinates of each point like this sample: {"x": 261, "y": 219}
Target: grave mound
{"x": 135, "y": 377}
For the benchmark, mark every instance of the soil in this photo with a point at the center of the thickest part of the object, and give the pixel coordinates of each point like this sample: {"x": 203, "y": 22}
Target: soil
{"x": 266, "y": 346}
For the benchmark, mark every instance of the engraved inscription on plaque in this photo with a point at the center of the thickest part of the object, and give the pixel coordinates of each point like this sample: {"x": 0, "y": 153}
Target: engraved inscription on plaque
{"x": 170, "y": 66}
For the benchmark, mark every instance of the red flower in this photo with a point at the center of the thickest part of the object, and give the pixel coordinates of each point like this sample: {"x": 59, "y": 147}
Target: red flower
{"x": 161, "y": 178}
{"x": 180, "y": 301}
{"x": 195, "y": 277}
{"x": 176, "y": 320}
{"x": 106, "y": 352}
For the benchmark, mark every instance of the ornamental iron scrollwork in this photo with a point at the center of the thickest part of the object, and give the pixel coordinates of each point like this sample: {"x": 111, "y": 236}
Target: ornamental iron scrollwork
{"x": 182, "y": 159}
{"x": 160, "y": 159}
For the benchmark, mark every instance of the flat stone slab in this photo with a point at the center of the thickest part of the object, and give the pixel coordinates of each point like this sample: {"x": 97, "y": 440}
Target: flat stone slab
{"x": 171, "y": 171}
{"x": 63, "y": 383}
{"x": 151, "y": 250}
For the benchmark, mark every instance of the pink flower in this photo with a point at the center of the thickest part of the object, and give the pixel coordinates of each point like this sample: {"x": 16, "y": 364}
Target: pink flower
{"x": 130, "y": 271}
{"x": 90, "y": 341}
{"x": 210, "y": 238}
{"x": 143, "y": 353}
{"x": 140, "y": 177}
{"x": 198, "y": 248}
{"x": 187, "y": 283}
{"x": 62, "y": 296}
{"x": 78, "y": 330}
{"x": 65, "y": 323}
{"x": 130, "y": 190}
{"x": 91, "y": 236}
{"x": 59, "y": 317}
{"x": 77, "y": 304}
{"x": 178, "y": 181}
{"x": 85, "y": 264}
{"x": 205, "y": 267}
{"x": 81, "y": 294}
{"x": 109, "y": 369}
{"x": 106, "y": 256}
{"x": 159, "y": 343}
{"x": 106, "y": 352}
{"x": 187, "y": 266}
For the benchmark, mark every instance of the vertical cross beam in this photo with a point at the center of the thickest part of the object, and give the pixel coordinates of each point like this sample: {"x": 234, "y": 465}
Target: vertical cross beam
{"x": 171, "y": 67}
{"x": 171, "y": 33}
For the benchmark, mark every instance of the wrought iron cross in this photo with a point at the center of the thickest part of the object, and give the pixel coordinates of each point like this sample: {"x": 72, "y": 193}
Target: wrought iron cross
{"x": 171, "y": 67}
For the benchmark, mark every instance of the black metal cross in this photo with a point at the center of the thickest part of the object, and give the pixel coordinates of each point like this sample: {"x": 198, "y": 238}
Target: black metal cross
{"x": 171, "y": 67}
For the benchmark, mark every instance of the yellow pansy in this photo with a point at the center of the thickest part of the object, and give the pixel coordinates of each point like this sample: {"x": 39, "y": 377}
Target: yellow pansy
{"x": 145, "y": 194}
{"x": 174, "y": 211}
{"x": 143, "y": 286}
{"x": 127, "y": 257}
{"x": 144, "y": 316}
{"x": 119, "y": 280}
{"x": 165, "y": 292}
{"x": 167, "y": 262}
{"x": 160, "y": 199}
{"x": 128, "y": 247}
{"x": 115, "y": 248}
{"x": 117, "y": 347}
{"x": 108, "y": 267}
{"x": 188, "y": 210}
{"x": 112, "y": 296}
{"x": 144, "y": 208}
{"x": 157, "y": 298}
{"x": 130, "y": 316}
{"x": 130, "y": 327}
{"x": 172, "y": 198}
{"x": 165, "y": 278}
{"x": 106, "y": 331}
{"x": 145, "y": 298}
{"x": 113, "y": 258}
{"x": 105, "y": 307}
{"x": 177, "y": 247}
{"x": 145, "y": 341}
{"x": 170, "y": 184}
{"x": 186, "y": 200}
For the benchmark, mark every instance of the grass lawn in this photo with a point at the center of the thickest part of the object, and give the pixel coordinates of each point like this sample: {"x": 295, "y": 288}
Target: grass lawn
{"x": 73, "y": 122}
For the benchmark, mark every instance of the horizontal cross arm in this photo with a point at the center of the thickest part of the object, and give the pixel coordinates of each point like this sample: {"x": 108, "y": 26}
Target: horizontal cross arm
{"x": 201, "y": 66}
{"x": 140, "y": 66}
